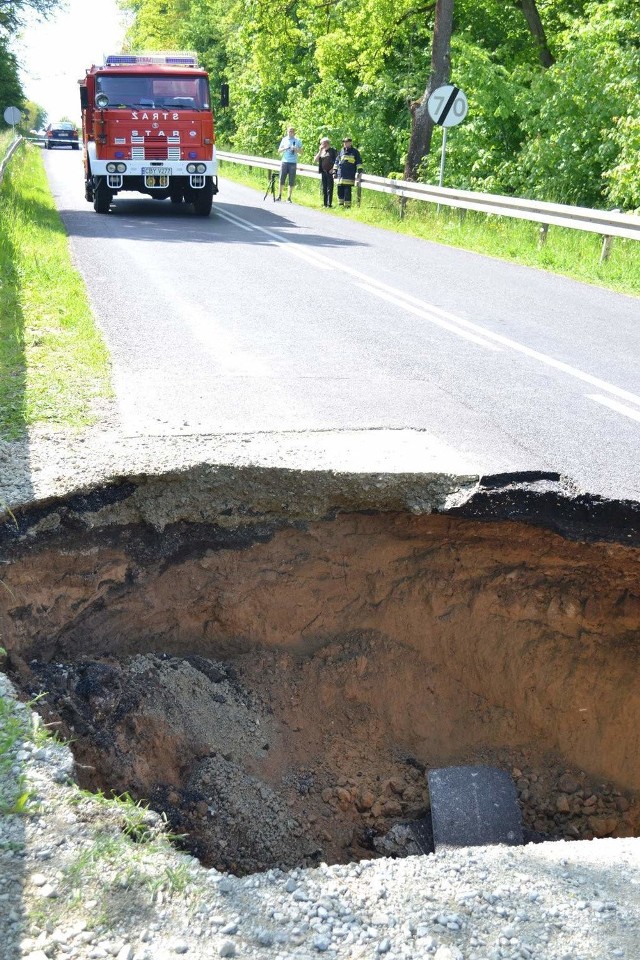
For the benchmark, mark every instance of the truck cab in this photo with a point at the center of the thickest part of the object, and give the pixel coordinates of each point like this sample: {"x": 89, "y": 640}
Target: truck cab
{"x": 148, "y": 126}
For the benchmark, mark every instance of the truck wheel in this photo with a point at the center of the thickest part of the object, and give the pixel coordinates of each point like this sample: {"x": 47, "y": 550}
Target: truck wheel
{"x": 203, "y": 199}
{"x": 101, "y": 196}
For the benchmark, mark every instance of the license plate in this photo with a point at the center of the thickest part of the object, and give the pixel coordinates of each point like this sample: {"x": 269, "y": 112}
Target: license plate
{"x": 156, "y": 171}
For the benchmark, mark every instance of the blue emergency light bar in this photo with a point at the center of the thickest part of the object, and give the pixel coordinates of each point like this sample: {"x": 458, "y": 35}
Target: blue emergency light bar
{"x": 180, "y": 59}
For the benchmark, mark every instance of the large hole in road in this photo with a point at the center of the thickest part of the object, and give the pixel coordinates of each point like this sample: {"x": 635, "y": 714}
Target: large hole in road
{"x": 275, "y": 660}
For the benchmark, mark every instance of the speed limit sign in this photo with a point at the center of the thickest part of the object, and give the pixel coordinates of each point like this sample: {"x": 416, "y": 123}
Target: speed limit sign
{"x": 12, "y": 115}
{"x": 447, "y": 105}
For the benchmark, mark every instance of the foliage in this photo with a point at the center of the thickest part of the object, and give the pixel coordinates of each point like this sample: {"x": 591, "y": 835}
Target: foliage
{"x": 11, "y": 19}
{"x": 568, "y": 133}
{"x": 581, "y": 107}
{"x": 12, "y": 12}
{"x": 11, "y": 94}
{"x": 34, "y": 116}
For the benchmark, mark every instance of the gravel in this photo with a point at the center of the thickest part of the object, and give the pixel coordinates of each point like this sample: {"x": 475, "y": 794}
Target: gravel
{"x": 73, "y": 883}
{"x": 54, "y": 463}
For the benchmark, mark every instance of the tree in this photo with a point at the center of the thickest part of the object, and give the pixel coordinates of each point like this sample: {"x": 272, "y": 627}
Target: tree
{"x": 531, "y": 15}
{"x": 34, "y": 115}
{"x": 421, "y": 123}
{"x": 11, "y": 93}
{"x": 12, "y": 12}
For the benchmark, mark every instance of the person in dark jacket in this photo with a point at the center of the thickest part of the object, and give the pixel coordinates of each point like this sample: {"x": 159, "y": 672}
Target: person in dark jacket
{"x": 347, "y": 170}
{"x": 325, "y": 158}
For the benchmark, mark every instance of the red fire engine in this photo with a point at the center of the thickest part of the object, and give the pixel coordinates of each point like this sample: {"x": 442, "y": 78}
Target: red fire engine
{"x": 147, "y": 125}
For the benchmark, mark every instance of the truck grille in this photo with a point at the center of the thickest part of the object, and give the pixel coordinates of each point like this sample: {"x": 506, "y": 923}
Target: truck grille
{"x": 155, "y": 151}
{"x": 155, "y": 148}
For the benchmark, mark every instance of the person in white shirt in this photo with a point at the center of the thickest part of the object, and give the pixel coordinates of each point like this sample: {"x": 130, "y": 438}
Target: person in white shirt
{"x": 289, "y": 149}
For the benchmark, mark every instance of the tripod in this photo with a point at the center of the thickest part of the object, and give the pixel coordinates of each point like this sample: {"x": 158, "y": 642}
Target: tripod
{"x": 271, "y": 188}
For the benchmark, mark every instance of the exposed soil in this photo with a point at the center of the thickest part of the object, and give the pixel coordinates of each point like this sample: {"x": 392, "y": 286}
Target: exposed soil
{"x": 261, "y": 765}
{"x": 280, "y": 688}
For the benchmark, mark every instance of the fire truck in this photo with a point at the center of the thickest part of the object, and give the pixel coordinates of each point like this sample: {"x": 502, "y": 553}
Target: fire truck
{"x": 147, "y": 125}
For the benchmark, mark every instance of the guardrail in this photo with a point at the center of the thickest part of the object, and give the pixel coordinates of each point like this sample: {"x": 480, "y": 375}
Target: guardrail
{"x": 10, "y": 152}
{"x": 606, "y": 223}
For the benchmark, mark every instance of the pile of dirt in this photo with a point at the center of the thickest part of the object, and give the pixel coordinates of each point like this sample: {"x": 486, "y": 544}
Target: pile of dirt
{"x": 258, "y": 767}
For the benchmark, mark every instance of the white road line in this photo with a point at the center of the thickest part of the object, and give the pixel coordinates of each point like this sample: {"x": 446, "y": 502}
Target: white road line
{"x": 614, "y": 405}
{"x": 428, "y": 315}
{"x": 308, "y": 255}
{"x": 235, "y": 220}
{"x": 407, "y": 299}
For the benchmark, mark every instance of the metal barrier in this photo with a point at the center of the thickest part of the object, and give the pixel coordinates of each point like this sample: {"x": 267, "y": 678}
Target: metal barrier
{"x": 10, "y": 152}
{"x": 607, "y": 223}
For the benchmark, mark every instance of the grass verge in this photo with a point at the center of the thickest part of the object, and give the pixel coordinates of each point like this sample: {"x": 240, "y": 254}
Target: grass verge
{"x": 122, "y": 860}
{"x": 571, "y": 253}
{"x": 53, "y": 362}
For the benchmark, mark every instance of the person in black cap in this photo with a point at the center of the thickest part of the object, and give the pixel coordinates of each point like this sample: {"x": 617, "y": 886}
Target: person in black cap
{"x": 347, "y": 170}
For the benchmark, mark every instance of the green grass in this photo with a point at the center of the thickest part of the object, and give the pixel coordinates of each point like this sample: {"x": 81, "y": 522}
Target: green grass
{"x": 16, "y": 728}
{"x": 6, "y": 138}
{"x": 53, "y": 361}
{"x": 571, "y": 253}
{"x": 122, "y": 863}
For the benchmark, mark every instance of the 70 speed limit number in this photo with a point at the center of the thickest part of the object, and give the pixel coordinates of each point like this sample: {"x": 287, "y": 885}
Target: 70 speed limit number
{"x": 447, "y": 106}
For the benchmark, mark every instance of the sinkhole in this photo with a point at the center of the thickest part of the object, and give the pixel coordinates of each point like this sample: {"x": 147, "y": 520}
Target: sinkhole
{"x": 275, "y": 660}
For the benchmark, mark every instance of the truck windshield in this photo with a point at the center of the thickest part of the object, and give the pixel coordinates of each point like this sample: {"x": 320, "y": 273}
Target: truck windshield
{"x": 155, "y": 93}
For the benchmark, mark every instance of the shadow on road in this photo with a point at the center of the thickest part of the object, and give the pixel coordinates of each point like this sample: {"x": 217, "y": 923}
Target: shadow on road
{"x": 164, "y": 222}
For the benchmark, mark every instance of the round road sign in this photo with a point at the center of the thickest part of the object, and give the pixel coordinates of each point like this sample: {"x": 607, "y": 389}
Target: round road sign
{"x": 12, "y": 115}
{"x": 447, "y": 105}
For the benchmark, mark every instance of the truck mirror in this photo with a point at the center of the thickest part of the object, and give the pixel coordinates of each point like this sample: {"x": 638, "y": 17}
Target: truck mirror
{"x": 224, "y": 95}
{"x": 84, "y": 98}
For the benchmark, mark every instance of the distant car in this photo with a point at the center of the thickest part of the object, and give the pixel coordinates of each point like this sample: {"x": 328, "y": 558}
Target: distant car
{"x": 61, "y": 134}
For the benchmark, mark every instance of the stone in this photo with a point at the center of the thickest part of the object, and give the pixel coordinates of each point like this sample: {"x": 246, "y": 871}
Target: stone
{"x": 474, "y": 806}
{"x": 562, "y": 803}
{"x": 365, "y": 800}
{"x": 568, "y": 783}
{"x": 392, "y": 786}
{"x": 448, "y": 953}
{"x": 603, "y": 826}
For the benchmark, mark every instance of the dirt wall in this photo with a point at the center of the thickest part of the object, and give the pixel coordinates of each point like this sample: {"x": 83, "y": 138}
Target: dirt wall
{"x": 440, "y": 636}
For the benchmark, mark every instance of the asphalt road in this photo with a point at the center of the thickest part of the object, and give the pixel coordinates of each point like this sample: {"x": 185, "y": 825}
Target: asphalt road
{"x": 274, "y": 318}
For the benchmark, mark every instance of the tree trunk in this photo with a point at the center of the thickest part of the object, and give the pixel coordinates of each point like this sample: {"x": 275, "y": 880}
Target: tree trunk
{"x": 534, "y": 23}
{"x": 421, "y": 123}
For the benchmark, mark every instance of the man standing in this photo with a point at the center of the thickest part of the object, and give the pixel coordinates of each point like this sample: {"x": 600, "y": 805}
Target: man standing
{"x": 289, "y": 149}
{"x": 347, "y": 169}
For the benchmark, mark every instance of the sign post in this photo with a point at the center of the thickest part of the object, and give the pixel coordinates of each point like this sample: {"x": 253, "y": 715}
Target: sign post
{"x": 447, "y": 106}
{"x": 12, "y": 115}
